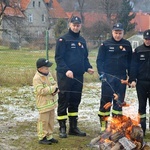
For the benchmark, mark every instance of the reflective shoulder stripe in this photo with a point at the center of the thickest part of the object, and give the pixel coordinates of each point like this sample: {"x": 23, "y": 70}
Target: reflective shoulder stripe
{"x": 51, "y": 78}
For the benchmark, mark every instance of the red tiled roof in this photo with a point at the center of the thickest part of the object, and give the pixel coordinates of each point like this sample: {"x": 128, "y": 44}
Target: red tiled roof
{"x": 143, "y": 21}
{"x": 46, "y": 1}
{"x": 24, "y": 4}
{"x": 90, "y": 18}
{"x": 57, "y": 11}
{"x": 12, "y": 11}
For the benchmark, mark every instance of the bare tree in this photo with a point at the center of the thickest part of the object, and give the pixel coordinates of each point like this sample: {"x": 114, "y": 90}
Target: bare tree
{"x": 13, "y": 26}
{"x": 125, "y": 16}
{"x": 3, "y": 5}
{"x": 81, "y": 10}
{"x": 109, "y": 8}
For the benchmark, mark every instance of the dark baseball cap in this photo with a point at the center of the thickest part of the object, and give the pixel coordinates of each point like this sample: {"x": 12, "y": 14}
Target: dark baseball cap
{"x": 75, "y": 19}
{"x": 117, "y": 26}
{"x": 146, "y": 34}
{"x": 41, "y": 62}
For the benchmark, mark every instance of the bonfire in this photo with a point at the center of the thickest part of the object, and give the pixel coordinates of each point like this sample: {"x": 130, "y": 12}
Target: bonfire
{"x": 122, "y": 133}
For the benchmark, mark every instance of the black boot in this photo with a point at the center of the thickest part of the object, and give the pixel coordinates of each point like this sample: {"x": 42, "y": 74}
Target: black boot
{"x": 143, "y": 125}
{"x": 62, "y": 129}
{"x": 45, "y": 141}
{"x": 74, "y": 130}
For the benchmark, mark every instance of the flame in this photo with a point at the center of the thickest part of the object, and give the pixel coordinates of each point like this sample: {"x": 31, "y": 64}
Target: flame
{"x": 122, "y": 124}
{"x": 120, "y": 127}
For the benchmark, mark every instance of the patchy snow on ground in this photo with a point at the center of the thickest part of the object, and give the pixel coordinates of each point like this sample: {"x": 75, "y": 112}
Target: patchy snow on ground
{"x": 21, "y": 106}
{"x": 17, "y": 105}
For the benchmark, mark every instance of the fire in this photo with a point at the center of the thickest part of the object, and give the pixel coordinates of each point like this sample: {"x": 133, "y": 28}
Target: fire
{"x": 121, "y": 123}
{"x": 122, "y": 133}
{"x": 123, "y": 129}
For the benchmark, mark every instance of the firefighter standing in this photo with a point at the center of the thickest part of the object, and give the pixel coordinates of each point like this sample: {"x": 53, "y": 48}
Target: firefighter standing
{"x": 140, "y": 76}
{"x": 45, "y": 88}
{"x": 71, "y": 57}
{"x": 113, "y": 63}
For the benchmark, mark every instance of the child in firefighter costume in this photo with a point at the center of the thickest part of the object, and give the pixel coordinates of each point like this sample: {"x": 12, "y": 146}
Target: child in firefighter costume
{"x": 45, "y": 88}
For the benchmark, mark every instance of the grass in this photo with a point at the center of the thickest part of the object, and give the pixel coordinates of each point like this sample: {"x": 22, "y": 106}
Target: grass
{"x": 18, "y": 66}
{"x": 17, "y": 70}
{"x": 28, "y": 141}
{"x": 70, "y": 143}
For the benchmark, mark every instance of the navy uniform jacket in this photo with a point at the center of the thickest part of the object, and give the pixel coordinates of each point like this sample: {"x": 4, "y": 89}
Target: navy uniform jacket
{"x": 114, "y": 57}
{"x": 72, "y": 54}
{"x": 140, "y": 66}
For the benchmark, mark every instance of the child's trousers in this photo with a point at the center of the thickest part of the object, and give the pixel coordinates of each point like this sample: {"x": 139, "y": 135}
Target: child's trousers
{"x": 45, "y": 125}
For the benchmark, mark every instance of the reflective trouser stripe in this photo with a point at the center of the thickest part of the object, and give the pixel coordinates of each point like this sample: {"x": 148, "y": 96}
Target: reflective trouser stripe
{"x": 116, "y": 112}
{"x": 40, "y": 130}
{"x": 62, "y": 117}
{"x": 144, "y": 116}
{"x": 73, "y": 114}
{"x": 103, "y": 125}
{"x": 103, "y": 113}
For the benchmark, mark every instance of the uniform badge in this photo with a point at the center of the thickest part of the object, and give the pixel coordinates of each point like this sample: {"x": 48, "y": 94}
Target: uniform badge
{"x": 121, "y": 47}
{"x": 79, "y": 44}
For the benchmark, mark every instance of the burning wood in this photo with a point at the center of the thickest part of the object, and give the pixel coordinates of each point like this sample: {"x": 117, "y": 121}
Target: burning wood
{"x": 116, "y": 136}
{"x": 123, "y": 133}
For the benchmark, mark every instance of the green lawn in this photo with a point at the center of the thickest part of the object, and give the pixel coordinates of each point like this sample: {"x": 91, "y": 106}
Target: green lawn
{"x": 18, "y": 66}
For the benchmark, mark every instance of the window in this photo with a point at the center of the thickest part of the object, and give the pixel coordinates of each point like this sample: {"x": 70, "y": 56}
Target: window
{"x": 30, "y": 18}
{"x": 33, "y": 3}
{"x": 43, "y": 18}
{"x": 135, "y": 44}
{"x": 37, "y": 33}
{"x": 39, "y": 4}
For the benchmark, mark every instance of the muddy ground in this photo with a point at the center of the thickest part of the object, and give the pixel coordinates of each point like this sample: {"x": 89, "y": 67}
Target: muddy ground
{"x": 18, "y": 117}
